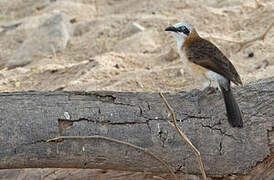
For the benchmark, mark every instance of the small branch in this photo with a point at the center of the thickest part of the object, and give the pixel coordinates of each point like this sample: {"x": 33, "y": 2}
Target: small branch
{"x": 59, "y": 138}
{"x": 96, "y": 7}
{"x": 258, "y": 5}
{"x": 184, "y": 137}
{"x": 10, "y": 26}
{"x": 245, "y": 42}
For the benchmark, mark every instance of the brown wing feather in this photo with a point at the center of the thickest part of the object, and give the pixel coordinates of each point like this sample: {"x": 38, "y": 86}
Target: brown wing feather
{"x": 204, "y": 53}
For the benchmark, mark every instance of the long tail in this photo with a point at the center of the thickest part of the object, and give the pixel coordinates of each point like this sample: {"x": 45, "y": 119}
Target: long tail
{"x": 234, "y": 114}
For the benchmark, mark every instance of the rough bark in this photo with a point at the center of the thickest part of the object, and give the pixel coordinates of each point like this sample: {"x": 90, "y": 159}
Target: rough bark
{"x": 29, "y": 119}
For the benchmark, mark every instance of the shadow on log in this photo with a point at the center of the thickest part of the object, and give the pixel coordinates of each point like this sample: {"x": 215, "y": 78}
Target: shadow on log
{"x": 29, "y": 119}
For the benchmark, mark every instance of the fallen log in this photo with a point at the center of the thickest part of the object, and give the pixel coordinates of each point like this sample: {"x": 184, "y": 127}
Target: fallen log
{"x": 29, "y": 119}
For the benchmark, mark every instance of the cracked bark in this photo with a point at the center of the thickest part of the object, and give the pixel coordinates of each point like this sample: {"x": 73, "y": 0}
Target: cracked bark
{"x": 28, "y": 119}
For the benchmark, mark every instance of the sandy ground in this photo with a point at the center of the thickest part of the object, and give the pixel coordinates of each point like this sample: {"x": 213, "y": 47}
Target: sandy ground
{"x": 106, "y": 52}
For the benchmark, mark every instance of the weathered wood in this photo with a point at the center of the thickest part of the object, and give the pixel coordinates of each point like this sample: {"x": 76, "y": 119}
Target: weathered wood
{"x": 28, "y": 119}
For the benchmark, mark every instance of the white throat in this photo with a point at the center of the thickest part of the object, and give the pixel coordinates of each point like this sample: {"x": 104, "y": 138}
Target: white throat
{"x": 180, "y": 41}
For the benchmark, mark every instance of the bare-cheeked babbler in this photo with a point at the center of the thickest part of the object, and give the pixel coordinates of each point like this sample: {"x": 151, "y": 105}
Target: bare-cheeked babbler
{"x": 205, "y": 59}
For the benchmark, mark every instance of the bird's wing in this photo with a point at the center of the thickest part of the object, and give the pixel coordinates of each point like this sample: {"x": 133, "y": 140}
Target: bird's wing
{"x": 202, "y": 52}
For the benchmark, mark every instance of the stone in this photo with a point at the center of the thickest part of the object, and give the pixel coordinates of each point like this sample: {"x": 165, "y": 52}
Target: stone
{"x": 50, "y": 37}
{"x": 77, "y": 10}
{"x": 170, "y": 55}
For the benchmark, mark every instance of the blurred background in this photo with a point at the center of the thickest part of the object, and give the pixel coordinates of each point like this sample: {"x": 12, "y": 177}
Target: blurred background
{"x": 121, "y": 45}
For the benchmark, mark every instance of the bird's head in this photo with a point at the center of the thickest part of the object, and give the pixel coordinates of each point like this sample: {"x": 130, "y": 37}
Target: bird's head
{"x": 183, "y": 32}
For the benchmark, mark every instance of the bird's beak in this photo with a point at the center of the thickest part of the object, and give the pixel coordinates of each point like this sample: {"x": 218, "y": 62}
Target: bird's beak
{"x": 171, "y": 28}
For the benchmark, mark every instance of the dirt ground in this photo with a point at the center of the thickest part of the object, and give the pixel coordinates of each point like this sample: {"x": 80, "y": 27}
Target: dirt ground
{"x": 108, "y": 52}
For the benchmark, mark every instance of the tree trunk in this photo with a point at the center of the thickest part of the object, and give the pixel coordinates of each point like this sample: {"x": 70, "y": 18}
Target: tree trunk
{"x": 29, "y": 119}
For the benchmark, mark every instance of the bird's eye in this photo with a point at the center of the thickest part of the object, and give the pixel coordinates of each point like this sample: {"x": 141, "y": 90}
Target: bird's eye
{"x": 184, "y": 30}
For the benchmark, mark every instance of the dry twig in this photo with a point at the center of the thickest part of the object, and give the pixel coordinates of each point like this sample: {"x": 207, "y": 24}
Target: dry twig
{"x": 96, "y": 7}
{"x": 59, "y": 138}
{"x": 245, "y": 42}
{"x": 258, "y": 5}
{"x": 184, "y": 137}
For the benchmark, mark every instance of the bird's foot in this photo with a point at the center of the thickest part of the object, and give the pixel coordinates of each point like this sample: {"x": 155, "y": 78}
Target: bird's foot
{"x": 203, "y": 94}
{"x": 208, "y": 90}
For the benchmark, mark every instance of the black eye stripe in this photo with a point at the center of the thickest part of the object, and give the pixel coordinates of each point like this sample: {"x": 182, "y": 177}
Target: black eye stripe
{"x": 183, "y": 29}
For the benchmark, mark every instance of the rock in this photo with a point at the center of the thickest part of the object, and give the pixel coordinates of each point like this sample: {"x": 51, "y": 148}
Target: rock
{"x": 41, "y": 5}
{"x": 135, "y": 27}
{"x": 15, "y": 33}
{"x": 81, "y": 28}
{"x": 170, "y": 55}
{"x": 28, "y": 24}
{"x": 180, "y": 73}
{"x": 117, "y": 66}
{"x": 263, "y": 64}
{"x": 50, "y": 37}
{"x": 141, "y": 42}
{"x": 10, "y": 25}
{"x": 80, "y": 11}
{"x": 250, "y": 54}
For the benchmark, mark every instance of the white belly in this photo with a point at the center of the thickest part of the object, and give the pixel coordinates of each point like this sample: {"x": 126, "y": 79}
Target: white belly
{"x": 221, "y": 80}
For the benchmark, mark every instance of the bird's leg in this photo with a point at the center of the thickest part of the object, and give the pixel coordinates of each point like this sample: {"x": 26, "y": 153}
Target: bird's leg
{"x": 208, "y": 89}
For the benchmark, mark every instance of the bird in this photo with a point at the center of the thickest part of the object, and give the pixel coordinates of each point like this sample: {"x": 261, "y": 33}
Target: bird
{"x": 207, "y": 60}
